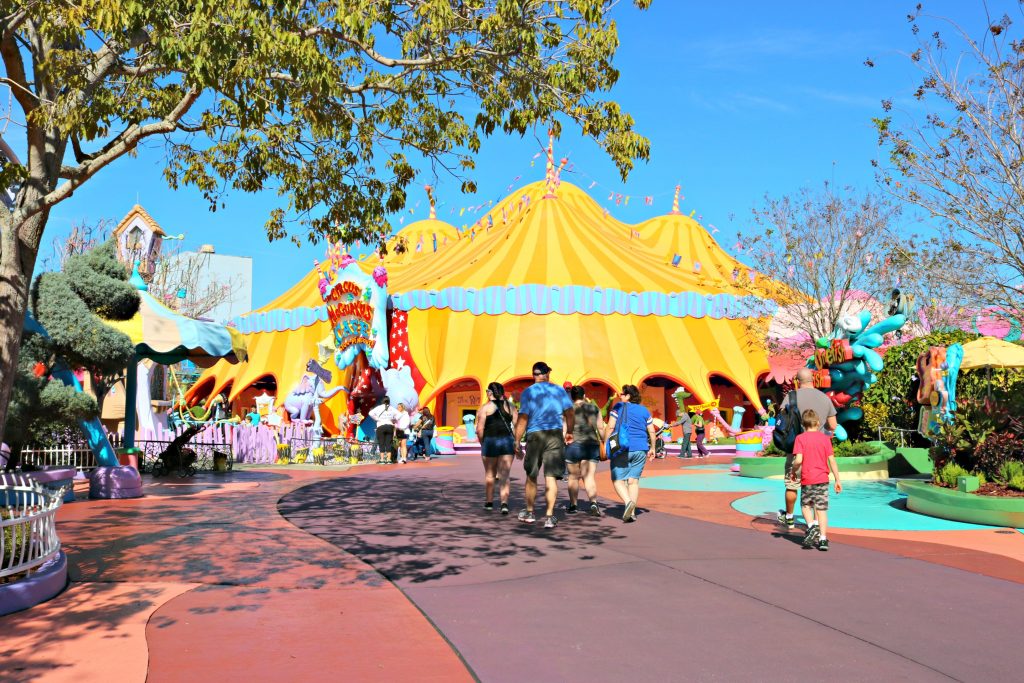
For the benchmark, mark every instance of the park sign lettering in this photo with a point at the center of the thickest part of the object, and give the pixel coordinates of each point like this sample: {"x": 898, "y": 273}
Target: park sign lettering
{"x": 837, "y": 352}
{"x": 350, "y": 316}
{"x": 356, "y": 305}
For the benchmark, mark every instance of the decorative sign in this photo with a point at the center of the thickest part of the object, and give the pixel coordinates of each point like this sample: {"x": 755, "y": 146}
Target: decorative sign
{"x": 701, "y": 407}
{"x": 838, "y": 351}
{"x": 356, "y": 306}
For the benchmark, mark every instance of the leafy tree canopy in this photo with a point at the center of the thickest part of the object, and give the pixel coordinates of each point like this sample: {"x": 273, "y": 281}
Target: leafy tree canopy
{"x": 319, "y": 101}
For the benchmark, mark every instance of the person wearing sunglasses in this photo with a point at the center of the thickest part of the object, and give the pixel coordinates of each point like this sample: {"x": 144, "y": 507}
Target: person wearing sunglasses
{"x": 546, "y": 417}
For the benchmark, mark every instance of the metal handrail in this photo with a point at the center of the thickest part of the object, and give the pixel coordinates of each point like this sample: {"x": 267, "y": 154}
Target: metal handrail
{"x": 28, "y": 527}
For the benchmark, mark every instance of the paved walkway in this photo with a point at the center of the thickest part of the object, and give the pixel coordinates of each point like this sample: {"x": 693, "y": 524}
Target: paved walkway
{"x": 396, "y": 573}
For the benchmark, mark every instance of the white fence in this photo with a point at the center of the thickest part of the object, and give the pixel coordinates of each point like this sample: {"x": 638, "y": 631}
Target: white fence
{"x": 28, "y": 529}
{"x": 78, "y": 456}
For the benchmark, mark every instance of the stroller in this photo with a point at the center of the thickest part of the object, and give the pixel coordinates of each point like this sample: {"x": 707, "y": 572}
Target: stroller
{"x": 416, "y": 449}
{"x": 663, "y": 435}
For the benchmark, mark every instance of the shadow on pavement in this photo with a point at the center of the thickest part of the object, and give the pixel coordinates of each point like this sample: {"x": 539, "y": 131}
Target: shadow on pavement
{"x": 418, "y": 531}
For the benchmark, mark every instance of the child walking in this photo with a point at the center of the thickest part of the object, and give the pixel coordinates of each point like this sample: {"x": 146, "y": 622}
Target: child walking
{"x": 813, "y": 458}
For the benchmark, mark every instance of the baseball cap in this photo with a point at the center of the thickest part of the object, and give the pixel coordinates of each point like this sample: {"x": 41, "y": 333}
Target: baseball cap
{"x": 567, "y": 385}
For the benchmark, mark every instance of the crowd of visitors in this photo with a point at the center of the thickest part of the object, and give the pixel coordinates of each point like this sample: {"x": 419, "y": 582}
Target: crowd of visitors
{"x": 560, "y": 431}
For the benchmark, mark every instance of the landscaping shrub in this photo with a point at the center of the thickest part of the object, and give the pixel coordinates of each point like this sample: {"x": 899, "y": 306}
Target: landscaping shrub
{"x": 949, "y": 473}
{"x": 996, "y": 450}
{"x": 1017, "y": 482}
{"x": 1010, "y": 470}
{"x": 849, "y": 449}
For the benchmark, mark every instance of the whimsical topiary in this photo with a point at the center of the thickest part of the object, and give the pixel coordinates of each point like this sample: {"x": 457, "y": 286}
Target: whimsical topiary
{"x": 66, "y": 305}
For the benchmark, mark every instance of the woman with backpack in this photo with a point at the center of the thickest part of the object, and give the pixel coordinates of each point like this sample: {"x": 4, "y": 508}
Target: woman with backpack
{"x": 494, "y": 423}
{"x": 629, "y": 422}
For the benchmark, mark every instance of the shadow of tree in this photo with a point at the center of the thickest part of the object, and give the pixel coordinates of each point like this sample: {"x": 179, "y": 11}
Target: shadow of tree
{"x": 416, "y": 530}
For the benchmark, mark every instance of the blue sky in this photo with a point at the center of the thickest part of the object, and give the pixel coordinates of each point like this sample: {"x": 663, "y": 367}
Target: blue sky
{"x": 739, "y": 99}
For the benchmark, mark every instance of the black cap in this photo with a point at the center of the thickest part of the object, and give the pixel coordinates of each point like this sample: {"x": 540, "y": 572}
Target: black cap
{"x": 541, "y": 366}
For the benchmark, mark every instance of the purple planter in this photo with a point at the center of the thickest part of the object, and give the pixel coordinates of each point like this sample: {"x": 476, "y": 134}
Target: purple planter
{"x": 53, "y": 478}
{"x": 115, "y": 482}
{"x": 38, "y": 587}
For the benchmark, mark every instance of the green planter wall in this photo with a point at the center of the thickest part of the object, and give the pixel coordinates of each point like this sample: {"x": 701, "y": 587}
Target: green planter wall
{"x": 911, "y": 461}
{"x": 865, "y": 467}
{"x": 928, "y": 499}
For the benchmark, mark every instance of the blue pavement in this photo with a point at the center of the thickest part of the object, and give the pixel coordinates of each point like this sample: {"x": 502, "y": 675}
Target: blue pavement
{"x": 863, "y": 504}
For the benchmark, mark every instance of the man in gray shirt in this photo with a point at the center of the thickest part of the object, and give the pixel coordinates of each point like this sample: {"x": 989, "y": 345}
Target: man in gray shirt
{"x": 807, "y": 398}
{"x": 685, "y": 450}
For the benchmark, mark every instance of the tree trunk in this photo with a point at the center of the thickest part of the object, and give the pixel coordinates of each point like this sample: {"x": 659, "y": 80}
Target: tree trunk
{"x": 14, "y": 459}
{"x": 17, "y": 261}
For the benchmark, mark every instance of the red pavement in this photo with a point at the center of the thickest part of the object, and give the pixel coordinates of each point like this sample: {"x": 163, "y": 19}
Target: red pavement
{"x": 396, "y": 573}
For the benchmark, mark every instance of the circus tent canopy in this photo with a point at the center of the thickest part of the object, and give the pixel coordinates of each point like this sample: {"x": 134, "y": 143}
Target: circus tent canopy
{"x": 568, "y": 284}
{"x": 535, "y": 278}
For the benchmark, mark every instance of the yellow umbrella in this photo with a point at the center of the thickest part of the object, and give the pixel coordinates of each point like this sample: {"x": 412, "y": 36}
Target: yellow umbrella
{"x": 990, "y": 352}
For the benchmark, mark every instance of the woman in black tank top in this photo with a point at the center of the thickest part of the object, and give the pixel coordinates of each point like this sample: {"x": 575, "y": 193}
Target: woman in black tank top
{"x": 494, "y": 423}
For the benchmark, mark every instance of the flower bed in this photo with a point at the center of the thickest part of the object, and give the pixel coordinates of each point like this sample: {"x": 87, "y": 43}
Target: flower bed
{"x": 937, "y": 501}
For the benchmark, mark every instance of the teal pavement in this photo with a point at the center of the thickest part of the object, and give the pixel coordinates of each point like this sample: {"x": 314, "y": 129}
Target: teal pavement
{"x": 863, "y": 504}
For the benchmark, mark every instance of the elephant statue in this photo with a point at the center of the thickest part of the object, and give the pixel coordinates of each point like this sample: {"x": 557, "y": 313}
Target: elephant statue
{"x": 302, "y": 402}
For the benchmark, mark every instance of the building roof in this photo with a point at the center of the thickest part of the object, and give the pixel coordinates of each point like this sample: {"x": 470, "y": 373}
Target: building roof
{"x": 138, "y": 211}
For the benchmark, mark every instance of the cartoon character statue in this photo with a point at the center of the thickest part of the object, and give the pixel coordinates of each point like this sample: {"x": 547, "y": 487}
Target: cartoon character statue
{"x": 847, "y": 362}
{"x": 400, "y": 387}
{"x": 938, "y": 369}
{"x": 303, "y": 402}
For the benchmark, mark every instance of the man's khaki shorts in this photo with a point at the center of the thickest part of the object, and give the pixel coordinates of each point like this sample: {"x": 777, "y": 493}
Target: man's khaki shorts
{"x": 791, "y": 478}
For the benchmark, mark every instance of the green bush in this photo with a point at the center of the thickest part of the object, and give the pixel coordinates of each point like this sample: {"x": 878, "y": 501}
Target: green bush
{"x": 1010, "y": 470}
{"x": 997, "y": 450}
{"x": 949, "y": 473}
{"x": 849, "y": 449}
{"x": 1017, "y": 482}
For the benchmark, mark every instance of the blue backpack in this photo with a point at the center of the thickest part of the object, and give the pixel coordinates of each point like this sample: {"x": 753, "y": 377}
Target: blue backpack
{"x": 788, "y": 425}
{"x": 618, "y": 443}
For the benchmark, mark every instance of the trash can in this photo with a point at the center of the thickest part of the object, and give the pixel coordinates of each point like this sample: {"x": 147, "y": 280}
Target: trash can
{"x": 470, "y": 422}
{"x": 128, "y": 457}
{"x": 220, "y": 461}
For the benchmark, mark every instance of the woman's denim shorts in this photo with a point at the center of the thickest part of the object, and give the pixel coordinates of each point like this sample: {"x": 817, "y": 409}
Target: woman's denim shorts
{"x": 578, "y": 451}
{"x": 494, "y": 446}
{"x": 629, "y": 465}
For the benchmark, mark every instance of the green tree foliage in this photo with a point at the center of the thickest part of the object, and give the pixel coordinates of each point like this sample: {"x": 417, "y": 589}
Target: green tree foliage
{"x": 328, "y": 104}
{"x": 66, "y": 305}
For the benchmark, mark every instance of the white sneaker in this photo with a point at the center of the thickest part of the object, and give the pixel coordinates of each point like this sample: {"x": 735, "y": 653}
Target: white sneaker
{"x": 550, "y": 522}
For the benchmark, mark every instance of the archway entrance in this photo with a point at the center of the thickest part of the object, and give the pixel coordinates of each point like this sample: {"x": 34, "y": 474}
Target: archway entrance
{"x": 731, "y": 396}
{"x": 460, "y": 398}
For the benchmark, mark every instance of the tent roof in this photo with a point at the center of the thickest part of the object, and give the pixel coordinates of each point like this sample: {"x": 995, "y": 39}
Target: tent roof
{"x": 165, "y": 336}
{"x": 520, "y": 266}
{"x": 419, "y": 240}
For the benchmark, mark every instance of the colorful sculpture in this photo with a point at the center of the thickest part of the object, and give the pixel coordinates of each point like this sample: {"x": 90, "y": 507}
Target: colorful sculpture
{"x": 846, "y": 362}
{"x": 938, "y": 369}
{"x": 356, "y": 307}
